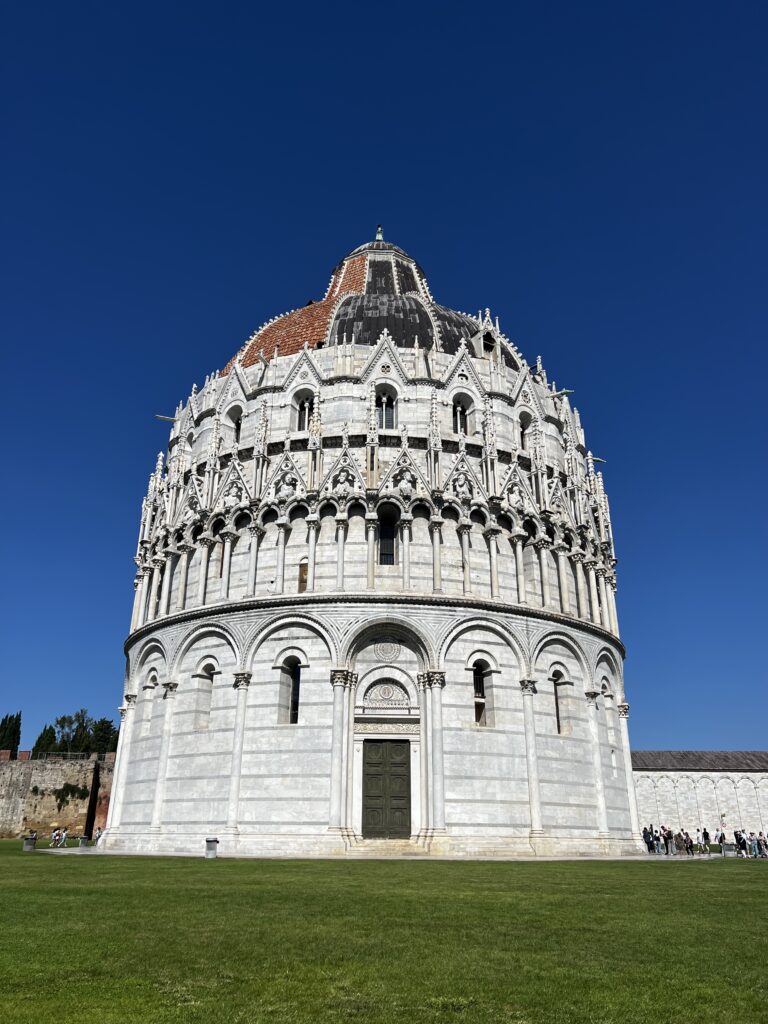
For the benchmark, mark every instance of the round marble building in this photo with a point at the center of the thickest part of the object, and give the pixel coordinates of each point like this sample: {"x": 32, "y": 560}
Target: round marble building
{"x": 375, "y": 600}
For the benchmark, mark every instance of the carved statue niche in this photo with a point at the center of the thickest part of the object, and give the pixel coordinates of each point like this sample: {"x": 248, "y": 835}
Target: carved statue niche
{"x": 405, "y": 482}
{"x": 344, "y": 483}
{"x": 286, "y": 484}
{"x": 232, "y": 496}
{"x": 462, "y": 487}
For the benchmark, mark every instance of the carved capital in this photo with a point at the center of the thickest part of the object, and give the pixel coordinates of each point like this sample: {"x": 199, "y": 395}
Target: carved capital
{"x": 242, "y": 680}
{"x": 130, "y": 701}
{"x": 436, "y": 679}
{"x": 230, "y": 535}
{"x": 623, "y": 710}
{"x": 528, "y": 686}
{"x": 577, "y": 556}
{"x": 422, "y": 680}
{"x": 435, "y": 524}
{"x": 591, "y": 698}
{"x": 340, "y": 676}
{"x": 206, "y": 541}
{"x": 256, "y": 531}
{"x": 170, "y": 688}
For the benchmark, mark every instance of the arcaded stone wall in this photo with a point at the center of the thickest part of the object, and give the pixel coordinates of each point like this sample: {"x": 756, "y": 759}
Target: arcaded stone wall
{"x": 691, "y": 800}
{"x": 34, "y": 795}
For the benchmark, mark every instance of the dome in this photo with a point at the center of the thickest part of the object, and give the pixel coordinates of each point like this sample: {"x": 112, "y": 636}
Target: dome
{"x": 377, "y": 286}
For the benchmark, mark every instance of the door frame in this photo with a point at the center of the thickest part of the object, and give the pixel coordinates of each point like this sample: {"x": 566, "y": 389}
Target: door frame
{"x": 414, "y": 741}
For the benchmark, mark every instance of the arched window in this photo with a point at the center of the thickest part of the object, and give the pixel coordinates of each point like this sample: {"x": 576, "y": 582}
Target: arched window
{"x": 235, "y": 416}
{"x": 303, "y": 406}
{"x": 303, "y": 570}
{"x": 479, "y": 675}
{"x": 558, "y": 680}
{"x": 460, "y": 417}
{"x": 204, "y": 694}
{"x": 218, "y": 552}
{"x": 290, "y": 691}
{"x": 388, "y": 518}
{"x": 525, "y": 430}
{"x": 386, "y": 408}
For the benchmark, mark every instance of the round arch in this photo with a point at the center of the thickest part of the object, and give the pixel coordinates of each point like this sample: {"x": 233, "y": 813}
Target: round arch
{"x": 200, "y": 632}
{"x": 568, "y": 642}
{"x": 398, "y": 629}
{"x": 501, "y": 631}
{"x": 262, "y": 632}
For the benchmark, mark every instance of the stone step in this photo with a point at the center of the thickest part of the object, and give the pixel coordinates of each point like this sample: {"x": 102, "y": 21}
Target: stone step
{"x": 386, "y": 848}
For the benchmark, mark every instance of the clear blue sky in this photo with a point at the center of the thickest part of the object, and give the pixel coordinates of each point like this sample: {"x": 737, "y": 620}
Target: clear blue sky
{"x": 173, "y": 175}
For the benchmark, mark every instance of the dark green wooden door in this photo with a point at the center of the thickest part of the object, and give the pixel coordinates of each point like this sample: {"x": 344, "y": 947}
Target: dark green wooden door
{"x": 386, "y": 789}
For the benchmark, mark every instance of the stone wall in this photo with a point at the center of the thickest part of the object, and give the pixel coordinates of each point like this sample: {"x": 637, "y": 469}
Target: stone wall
{"x": 42, "y": 794}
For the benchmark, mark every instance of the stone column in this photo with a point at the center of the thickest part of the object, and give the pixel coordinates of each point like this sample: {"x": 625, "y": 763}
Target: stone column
{"x": 528, "y": 686}
{"x": 605, "y": 617}
{"x": 611, "y": 591}
{"x": 597, "y": 763}
{"x": 312, "y": 527}
{"x": 347, "y": 802}
{"x": 581, "y": 588}
{"x": 256, "y": 532}
{"x": 542, "y": 547}
{"x": 162, "y": 761}
{"x": 185, "y": 553}
{"x": 165, "y": 589}
{"x": 562, "y": 579}
{"x": 229, "y": 539}
{"x": 206, "y": 543}
{"x": 405, "y": 545}
{"x": 371, "y": 525}
{"x": 241, "y": 684}
{"x": 157, "y": 567}
{"x": 491, "y": 534}
{"x": 424, "y": 754}
{"x": 463, "y": 530}
{"x": 518, "y": 539}
{"x": 435, "y": 525}
{"x": 436, "y": 682}
{"x": 136, "y": 613}
{"x": 341, "y": 533}
{"x": 282, "y": 528}
{"x": 589, "y": 564}
{"x": 339, "y": 682}
{"x": 122, "y": 760}
{"x": 634, "y": 817}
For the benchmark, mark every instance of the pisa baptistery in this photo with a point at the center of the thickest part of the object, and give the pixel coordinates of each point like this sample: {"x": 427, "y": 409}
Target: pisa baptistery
{"x": 375, "y": 598}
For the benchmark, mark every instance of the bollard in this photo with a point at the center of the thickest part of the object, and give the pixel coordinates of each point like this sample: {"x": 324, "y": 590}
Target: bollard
{"x": 29, "y": 844}
{"x": 83, "y": 844}
{"x": 210, "y": 849}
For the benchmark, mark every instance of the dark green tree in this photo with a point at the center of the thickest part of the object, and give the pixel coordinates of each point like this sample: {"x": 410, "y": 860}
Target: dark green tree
{"x": 10, "y": 733}
{"x": 65, "y": 731}
{"x": 82, "y": 732}
{"x": 104, "y": 736}
{"x": 45, "y": 742}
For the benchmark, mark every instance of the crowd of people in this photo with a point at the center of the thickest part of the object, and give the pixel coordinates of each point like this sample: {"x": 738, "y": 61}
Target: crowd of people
{"x": 664, "y": 842}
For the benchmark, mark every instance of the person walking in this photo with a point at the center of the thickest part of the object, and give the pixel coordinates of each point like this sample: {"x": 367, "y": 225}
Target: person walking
{"x": 688, "y": 845}
{"x": 705, "y": 840}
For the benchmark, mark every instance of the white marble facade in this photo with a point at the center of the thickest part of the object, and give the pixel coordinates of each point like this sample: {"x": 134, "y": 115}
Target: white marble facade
{"x": 708, "y": 799}
{"x": 377, "y": 523}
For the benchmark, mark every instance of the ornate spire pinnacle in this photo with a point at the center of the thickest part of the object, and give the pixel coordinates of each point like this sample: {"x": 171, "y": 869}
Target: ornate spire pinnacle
{"x": 379, "y": 233}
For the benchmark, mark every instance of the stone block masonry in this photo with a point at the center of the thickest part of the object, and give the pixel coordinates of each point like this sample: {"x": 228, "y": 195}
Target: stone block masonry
{"x": 43, "y": 794}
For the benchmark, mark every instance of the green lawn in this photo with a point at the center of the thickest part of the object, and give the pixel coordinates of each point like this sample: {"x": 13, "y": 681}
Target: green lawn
{"x": 124, "y": 939}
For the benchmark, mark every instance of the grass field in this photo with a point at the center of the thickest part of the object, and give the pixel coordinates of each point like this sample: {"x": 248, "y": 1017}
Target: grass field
{"x": 125, "y": 939}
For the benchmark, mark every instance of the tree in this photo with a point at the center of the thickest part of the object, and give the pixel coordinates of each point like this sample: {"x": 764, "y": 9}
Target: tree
{"x": 104, "y": 736}
{"x": 10, "y": 733}
{"x": 45, "y": 742}
{"x": 65, "y": 731}
{"x": 82, "y": 731}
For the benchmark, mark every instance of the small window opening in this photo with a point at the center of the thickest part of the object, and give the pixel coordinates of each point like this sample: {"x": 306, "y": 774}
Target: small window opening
{"x": 303, "y": 569}
{"x": 386, "y": 417}
{"x": 460, "y": 419}
{"x": 293, "y": 713}
{"x": 525, "y": 431}
{"x": 558, "y": 680}
{"x": 479, "y": 671}
{"x": 387, "y": 536}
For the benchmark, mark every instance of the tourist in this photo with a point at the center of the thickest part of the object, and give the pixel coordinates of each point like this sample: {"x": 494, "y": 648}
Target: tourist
{"x": 699, "y": 847}
{"x": 688, "y": 844}
{"x": 97, "y": 836}
{"x": 657, "y": 842}
{"x": 679, "y": 843}
{"x": 762, "y": 844}
{"x": 721, "y": 840}
{"x": 667, "y": 840}
{"x": 705, "y": 839}
{"x": 55, "y": 836}
{"x": 648, "y": 839}
{"x": 63, "y": 838}
{"x": 753, "y": 845}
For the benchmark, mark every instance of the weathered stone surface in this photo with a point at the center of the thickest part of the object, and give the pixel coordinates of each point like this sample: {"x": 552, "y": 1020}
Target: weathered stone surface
{"x": 48, "y": 793}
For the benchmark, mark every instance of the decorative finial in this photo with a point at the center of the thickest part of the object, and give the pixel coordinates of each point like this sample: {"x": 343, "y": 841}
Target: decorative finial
{"x": 379, "y": 233}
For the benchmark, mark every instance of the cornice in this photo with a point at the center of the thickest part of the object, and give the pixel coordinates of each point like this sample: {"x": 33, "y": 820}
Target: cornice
{"x": 303, "y": 602}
